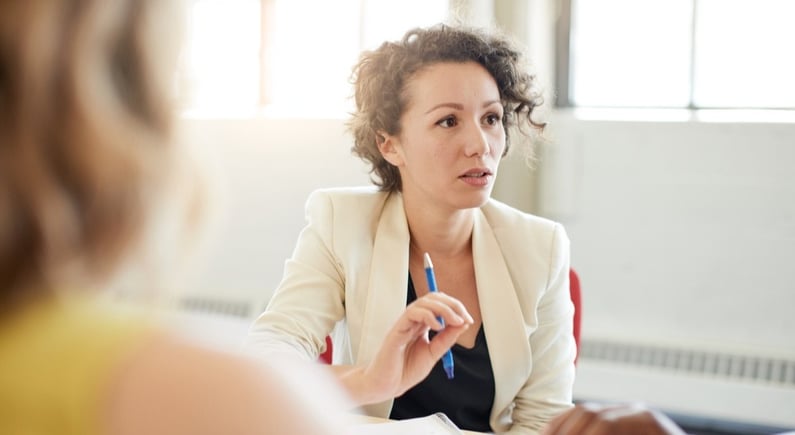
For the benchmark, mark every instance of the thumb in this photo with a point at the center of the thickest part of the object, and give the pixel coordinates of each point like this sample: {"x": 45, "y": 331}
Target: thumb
{"x": 445, "y": 339}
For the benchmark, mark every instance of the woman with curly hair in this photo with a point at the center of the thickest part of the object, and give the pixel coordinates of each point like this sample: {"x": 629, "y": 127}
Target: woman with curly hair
{"x": 433, "y": 113}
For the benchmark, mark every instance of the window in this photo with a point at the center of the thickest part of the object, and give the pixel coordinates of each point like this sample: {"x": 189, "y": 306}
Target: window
{"x": 288, "y": 57}
{"x": 705, "y": 54}
{"x": 221, "y": 57}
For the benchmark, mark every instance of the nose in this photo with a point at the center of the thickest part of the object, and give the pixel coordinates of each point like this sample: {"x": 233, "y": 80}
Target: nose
{"x": 477, "y": 142}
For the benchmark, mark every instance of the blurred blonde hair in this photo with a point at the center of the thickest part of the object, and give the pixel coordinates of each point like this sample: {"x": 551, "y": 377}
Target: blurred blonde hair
{"x": 85, "y": 132}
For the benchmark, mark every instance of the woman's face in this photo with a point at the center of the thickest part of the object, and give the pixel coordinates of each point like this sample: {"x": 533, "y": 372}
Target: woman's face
{"x": 451, "y": 138}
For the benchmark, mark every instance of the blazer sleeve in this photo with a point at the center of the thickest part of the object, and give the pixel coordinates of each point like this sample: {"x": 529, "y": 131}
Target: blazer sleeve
{"x": 310, "y": 298}
{"x": 548, "y": 390}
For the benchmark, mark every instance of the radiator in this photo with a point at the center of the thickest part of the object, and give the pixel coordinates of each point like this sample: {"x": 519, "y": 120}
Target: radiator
{"x": 754, "y": 389}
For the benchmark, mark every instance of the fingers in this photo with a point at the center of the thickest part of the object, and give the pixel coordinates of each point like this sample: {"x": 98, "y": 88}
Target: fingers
{"x": 429, "y": 308}
{"x": 457, "y": 319}
{"x": 445, "y": 339}
{"x": 411, "y": 329}
{"x": 574, "y": 421}
{"x": 591, "y": 419}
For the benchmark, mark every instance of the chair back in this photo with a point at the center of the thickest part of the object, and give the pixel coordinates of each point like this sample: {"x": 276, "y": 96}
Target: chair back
{"x": 325, "y": 357}
{"x": 576, "y": 299}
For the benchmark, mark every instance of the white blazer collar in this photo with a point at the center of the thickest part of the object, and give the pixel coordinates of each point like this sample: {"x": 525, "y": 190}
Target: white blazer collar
{"x": 503, "y": 321}
{"x": 387, "y": 287}
{"x": 389, "y": 271}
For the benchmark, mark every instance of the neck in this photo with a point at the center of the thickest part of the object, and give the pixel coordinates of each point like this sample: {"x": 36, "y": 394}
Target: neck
{"x": 444, "y": 235}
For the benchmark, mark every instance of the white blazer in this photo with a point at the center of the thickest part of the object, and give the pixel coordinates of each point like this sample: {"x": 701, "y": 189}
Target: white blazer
{"x": 350, "y": 268}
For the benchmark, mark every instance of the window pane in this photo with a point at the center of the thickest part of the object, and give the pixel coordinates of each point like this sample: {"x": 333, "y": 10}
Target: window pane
{"x": 310, "y": 50}
{"x": 631, "y": 53}
{"x": 387, "y": 21}
{"x": 745, "y": 55}
{"x": 293, "y": 56}
{"x": 221, "y": 57}
{"x": 310, "y": 57}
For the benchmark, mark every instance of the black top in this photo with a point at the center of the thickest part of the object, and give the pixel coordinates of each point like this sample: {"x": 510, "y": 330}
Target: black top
{"x": 467, "y": 399}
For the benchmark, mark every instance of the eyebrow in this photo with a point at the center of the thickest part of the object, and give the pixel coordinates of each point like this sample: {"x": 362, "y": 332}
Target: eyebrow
{"x": 458, "y": 106}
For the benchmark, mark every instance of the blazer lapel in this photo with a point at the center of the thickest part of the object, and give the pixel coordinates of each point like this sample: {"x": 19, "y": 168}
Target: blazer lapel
{"x": 387, "y": 287}
{"x": 388, "y": 283}
{"x": 509, "y": 349}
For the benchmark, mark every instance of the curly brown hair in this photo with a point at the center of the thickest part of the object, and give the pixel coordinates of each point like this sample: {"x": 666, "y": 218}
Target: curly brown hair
{"x": 381, "y": 75}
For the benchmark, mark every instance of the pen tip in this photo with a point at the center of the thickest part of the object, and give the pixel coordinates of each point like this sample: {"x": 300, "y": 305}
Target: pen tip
{"x": 427, "y": 260}
{"x": 449, "y": 372}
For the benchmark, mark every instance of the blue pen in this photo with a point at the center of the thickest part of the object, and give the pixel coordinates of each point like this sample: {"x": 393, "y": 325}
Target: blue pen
{"x": 447, "y": 358}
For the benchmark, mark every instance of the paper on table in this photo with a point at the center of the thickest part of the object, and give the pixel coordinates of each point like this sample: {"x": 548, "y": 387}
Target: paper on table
{"x": 434, "y": 424}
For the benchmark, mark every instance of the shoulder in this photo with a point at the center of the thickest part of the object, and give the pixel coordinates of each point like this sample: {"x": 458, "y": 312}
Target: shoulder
{"x": 340, "y": 209}
{"x": 529, "y": 243}
{"x": 509, "y": 222}
{"x": 207, "y": 391}
{"x": 342, "y": 198}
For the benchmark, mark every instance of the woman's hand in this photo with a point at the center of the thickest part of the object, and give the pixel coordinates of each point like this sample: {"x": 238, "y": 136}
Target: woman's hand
{"x": 592, "y": 419}
{"x": 407, "y": 355}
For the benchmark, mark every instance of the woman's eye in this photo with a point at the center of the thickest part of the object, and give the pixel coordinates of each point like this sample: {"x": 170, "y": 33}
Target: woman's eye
{"x": 492, "y": 119}
{"x": 448, "y": 122}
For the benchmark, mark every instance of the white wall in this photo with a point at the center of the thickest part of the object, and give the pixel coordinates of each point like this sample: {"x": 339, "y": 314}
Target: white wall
{"x": 262, "y": 170}
{"x": 682, "y": 232}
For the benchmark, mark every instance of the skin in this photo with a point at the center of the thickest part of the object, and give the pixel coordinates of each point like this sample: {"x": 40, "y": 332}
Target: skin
{"x": 592, "y": 419}
{"x": 173, "y": 387}
{"x": 451, "y": 125}
{"x": 448, "y": 152}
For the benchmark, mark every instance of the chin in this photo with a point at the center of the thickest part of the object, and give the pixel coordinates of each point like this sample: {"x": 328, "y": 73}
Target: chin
{"x": 474, "y": 200}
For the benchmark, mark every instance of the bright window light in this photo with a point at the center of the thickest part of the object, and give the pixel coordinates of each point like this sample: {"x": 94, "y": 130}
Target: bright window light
{"x": 745, "y": 54}
{"x": 288, "y": 57}
{"x": 311, "y": 46}
{"x": 221, "y": 58}
{"x": 695, "y": 54}
{"x": 387, "y": 21}
{"x": 631, "y": 53}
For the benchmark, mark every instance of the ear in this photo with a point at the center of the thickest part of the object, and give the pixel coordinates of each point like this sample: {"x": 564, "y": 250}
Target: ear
{"x": 390, "y": 148}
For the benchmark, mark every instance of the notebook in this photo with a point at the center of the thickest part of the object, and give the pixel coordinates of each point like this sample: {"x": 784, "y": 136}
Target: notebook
{"x": 434, "y": 424}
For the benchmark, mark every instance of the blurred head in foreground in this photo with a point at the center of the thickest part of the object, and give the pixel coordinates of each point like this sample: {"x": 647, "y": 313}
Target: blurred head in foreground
{"x": 85, "y": 124}
{"x": 86, "y": 164}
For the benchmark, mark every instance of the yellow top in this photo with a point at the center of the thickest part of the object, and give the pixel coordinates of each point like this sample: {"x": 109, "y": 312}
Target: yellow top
{"x": 57, "y": 360}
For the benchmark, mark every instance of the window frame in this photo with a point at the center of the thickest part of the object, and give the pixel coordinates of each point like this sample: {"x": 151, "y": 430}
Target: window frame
{"x": 564, "y": 72}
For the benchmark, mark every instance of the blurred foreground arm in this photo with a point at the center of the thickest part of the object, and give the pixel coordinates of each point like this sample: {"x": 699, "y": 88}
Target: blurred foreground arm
{"x": 177, "y": 388}
{"x": 592, "y": 419}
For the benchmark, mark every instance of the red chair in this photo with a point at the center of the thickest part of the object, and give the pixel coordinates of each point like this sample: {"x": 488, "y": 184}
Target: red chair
{"x": 325, "y": 357}
{"x": 576, "y": 299}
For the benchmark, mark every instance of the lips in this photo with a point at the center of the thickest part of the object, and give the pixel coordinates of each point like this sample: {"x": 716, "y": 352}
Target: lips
{"x": 476, "y": 173}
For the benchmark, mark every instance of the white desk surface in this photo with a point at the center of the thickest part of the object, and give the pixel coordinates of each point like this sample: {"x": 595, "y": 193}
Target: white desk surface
{"x": 358, "y": 418}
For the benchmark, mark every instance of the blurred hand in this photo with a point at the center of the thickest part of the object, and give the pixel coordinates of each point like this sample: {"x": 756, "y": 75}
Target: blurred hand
{"x": 407, "y": 355}
{"x": 592, "y": 419}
